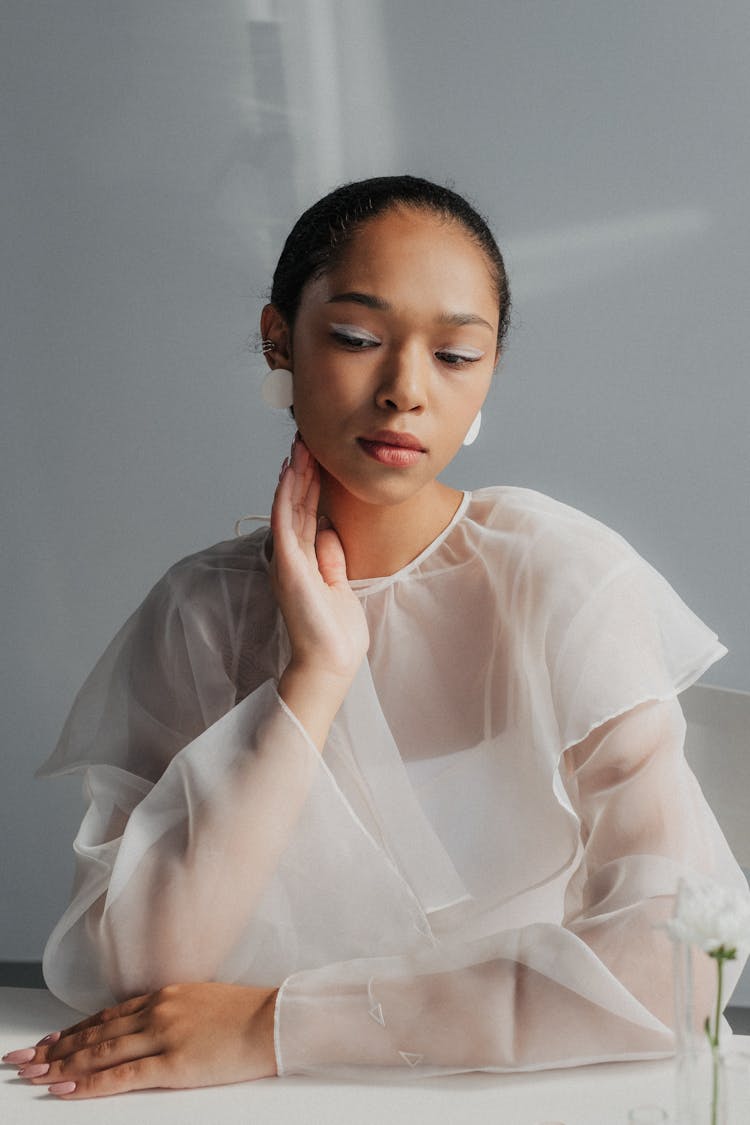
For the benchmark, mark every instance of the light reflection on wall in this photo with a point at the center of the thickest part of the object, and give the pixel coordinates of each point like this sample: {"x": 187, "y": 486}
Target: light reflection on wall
{"x": 321, "y": 108}
{"x": 584, "y": 253}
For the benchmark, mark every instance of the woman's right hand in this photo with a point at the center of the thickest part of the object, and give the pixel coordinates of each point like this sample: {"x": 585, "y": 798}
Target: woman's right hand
{"x": 326, "y": 624}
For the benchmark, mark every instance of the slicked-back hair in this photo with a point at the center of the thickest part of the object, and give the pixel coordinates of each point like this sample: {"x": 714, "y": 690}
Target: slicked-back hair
{"x": 320, "y": 236}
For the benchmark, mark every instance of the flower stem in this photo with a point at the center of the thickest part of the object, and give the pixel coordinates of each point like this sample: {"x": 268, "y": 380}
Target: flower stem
{"x": 719, "y": 956}
{"x": 719, "y": 990}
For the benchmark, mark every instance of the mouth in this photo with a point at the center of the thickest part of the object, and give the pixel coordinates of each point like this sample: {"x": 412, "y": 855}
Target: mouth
{"x": 395, "y": 438}
{"x": 399, "y": 451}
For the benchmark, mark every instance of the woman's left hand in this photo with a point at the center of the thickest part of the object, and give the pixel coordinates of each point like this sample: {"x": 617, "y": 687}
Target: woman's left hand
{"x": 184, "y": 1035}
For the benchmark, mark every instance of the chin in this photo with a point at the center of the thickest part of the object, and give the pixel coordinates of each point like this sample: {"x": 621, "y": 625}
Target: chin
{"x": 387, "y": 491}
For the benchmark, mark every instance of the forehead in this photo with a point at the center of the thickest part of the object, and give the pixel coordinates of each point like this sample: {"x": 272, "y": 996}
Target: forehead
{"x": 415, "y": 256}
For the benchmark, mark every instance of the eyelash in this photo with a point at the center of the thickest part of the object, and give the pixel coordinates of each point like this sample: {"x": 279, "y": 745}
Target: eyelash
{"x": 362, "y": 343}
{"x": 356, "y": 343}
{"x": 454, "y": 360}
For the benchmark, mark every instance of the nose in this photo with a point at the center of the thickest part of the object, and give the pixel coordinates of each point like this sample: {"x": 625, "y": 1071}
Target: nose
{"x": 403, "y": 385}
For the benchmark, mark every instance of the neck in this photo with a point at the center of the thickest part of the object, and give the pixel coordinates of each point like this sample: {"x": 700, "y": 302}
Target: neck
{"x": 379, "y": 539}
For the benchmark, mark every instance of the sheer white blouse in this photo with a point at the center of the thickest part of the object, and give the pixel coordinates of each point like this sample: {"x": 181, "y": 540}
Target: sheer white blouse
{"x": 473, "y": 874}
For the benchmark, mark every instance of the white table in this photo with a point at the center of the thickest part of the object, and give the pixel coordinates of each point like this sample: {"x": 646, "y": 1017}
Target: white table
{"x": 591, "y": 1095}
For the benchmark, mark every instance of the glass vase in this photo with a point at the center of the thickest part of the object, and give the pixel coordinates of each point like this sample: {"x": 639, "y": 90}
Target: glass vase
{"x": 712, "y": 1084}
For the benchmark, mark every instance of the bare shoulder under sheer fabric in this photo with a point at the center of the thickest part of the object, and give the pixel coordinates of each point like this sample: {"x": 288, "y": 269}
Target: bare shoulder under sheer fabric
{"x": 474, "y": 872}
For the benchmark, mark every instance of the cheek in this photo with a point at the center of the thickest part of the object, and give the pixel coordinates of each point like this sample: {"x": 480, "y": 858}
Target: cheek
{"x": 321, "y": 409}
{"x": 324, "y": 405}
{"x": 466, "y": 399}
{"x": 331, "y": 387}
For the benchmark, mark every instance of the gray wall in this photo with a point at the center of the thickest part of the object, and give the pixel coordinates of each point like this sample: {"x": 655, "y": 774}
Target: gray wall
{"x": 154, "y": 155}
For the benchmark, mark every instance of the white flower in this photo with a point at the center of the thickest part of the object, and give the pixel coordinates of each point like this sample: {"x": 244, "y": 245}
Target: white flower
{"x": 710, "y": 916}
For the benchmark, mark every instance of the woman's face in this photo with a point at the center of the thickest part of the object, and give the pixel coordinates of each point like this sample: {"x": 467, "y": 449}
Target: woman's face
{"x": 397, "y": 342}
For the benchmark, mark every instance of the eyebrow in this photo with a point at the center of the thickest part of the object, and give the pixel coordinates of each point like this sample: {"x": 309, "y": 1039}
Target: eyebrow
{"x": 372, "y": 302}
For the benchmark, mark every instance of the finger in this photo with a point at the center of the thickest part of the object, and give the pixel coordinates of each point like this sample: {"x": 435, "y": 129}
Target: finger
{"x": 93, "y": 1036}
{"x": 99, "y": 1056}
{"x": 294, "y": 511}
{"x": 310, "y": 521}
{"x": 331, "y": 558}
{"x": 51, "y": 1038}
{"x": 143, "y": 1074}
{"x": 105, "y": 1015}
{"x": 49, "y": 1044}
{"x": 299, "y": 462}
{"x": 20, "y": 1057}
{"x": 281, "y": 515}
{"x": 302, "y": 466}
{"x": 40, "y": 1053}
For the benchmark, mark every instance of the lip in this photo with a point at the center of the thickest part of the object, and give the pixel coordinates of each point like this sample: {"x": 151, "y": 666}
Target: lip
{"x": 394, "y": 437}
{"x": 392, "y": 449}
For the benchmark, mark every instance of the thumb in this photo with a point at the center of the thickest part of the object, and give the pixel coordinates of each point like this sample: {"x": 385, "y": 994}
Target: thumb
{"x": 330, "y": 554}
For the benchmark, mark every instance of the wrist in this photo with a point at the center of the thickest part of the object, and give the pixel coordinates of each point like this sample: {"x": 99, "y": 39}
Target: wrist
{"x": 264, "y": 1033}
{"x": 333, "y": 684}
{"x": 313, "y": 695}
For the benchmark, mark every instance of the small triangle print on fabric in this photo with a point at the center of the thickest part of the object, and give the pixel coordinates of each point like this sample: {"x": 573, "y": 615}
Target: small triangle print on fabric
{"x": 412, "y": 1059}
{"x": 377, "y": 1014}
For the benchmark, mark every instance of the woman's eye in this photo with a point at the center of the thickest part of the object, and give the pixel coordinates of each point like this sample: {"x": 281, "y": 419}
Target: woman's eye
{"x": 457, "y": 359}
{"x": 354, "y": 340}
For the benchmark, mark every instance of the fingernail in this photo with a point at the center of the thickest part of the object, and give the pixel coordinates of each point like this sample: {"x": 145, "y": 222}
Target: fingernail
{"x": 284, "y": 467}
{"x": 36, "y": 1070}
{"x": 61, "y": 1088}
{"x": 19, "y": 1057}
{"x": 323, "y": 523}
{"x": 51, "y": 1038}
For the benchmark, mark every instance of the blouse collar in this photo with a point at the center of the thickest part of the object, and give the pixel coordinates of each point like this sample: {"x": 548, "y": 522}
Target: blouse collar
{"x": 373, "y": 585}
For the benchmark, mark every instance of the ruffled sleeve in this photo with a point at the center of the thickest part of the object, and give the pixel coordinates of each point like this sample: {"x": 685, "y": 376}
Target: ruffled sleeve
{"x": 214, "y": 830}
{"x": 619, "y": 635}
{"x": 163, "y": 678}
{"x": 177, "y": 779}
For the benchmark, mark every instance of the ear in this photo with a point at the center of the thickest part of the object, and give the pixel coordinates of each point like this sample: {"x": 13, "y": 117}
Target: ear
{"x": 274, "y": 327}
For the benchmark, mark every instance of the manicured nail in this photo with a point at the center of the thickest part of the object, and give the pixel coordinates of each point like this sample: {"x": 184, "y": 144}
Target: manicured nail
{"x": 20, "y": 1057}
{"x": 35, "y": 1070}
{"x": 61, "y": 1088}
{"x": 51, "y": 1038}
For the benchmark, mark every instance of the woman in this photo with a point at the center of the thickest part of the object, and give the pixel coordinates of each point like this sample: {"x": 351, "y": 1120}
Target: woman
{"x": 401, "y": 783}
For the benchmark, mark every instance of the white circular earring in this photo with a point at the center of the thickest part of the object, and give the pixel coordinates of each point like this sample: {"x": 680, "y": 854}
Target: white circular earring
{"x": 277, "y": 389}
{"x": 473, "y": 431}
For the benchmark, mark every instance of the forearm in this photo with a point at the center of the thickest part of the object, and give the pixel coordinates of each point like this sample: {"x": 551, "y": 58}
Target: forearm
{"x": 199, "y": 851}
{"x": 537, "y": 997}
{"x": 523, "y": 999}
{"x": 635, "y": 946}
{"x": 231, "y": 829}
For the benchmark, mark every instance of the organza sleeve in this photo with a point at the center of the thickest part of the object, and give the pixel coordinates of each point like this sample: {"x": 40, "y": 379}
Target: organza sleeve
{"x": 183, "y": 788}
{"x": 596, "y": 987}
{"x": 214, "y": 829}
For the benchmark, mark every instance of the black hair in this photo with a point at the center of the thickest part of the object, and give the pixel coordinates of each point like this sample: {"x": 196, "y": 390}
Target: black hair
{"x": 321, "y": 234}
